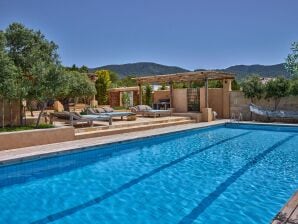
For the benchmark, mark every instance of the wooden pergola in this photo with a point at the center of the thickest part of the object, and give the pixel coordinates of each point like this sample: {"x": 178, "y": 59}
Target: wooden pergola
{"x": 184, "y": 77}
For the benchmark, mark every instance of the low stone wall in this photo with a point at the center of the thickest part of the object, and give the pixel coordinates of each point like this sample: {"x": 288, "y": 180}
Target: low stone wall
{"x": 238, "y": 103}
{"x": 18, "y": 139}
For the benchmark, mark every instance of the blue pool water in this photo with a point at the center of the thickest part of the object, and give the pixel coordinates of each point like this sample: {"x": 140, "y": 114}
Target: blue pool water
{"x": 234, "y": 174}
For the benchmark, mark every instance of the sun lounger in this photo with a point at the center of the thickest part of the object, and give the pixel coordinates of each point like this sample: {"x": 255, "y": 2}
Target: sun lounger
{"x": 74, "y": 118}
{"x": 145, "y": 110}
{"x": 111, "y": 113}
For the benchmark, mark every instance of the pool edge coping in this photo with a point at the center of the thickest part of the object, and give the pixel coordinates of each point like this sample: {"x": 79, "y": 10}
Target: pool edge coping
{"x": 13, "y": 156}
{"x": 17, "y": 156}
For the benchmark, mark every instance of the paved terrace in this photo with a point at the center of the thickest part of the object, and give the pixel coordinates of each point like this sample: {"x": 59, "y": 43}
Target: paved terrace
{"x": 36, "y": 152}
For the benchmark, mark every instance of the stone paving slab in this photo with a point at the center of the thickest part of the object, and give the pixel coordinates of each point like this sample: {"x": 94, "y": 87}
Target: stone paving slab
{"x": 36, "y": 152}
{"x": 289, "y": 213}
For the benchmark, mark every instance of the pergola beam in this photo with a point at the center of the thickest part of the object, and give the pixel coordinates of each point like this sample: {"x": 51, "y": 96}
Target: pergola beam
{"x": 185, "y": 77}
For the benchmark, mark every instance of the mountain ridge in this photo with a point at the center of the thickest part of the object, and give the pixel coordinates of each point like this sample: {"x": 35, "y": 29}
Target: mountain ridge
{"x": 151, "y": 68}
{"x": 140, "y": 69}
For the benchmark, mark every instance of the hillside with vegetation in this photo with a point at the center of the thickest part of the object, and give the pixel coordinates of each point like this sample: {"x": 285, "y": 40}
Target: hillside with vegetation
{"x": 262, "y": 70}
{"x": 148, "y": 68}
{"x": 140, "y": 69}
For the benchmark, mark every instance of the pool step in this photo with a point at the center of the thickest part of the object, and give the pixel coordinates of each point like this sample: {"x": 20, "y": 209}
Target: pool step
{"x": 128, "y": 124}
{"x": 120, "y": 130}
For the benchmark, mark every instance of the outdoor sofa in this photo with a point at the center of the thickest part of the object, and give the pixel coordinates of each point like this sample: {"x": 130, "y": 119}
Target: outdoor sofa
{"x": 145, "y": 110}
{"x": 73, "y": 118}
{"x": 108, "y": 111}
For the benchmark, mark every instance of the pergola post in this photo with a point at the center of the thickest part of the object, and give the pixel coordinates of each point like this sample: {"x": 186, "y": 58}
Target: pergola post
{"x": 206, "y": 93}
{"x": 140, "y": 94}
{"x": 171, "y": 94}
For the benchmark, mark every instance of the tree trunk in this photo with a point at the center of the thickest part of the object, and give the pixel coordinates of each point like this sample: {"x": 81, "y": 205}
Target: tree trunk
{"x": 31, "y": 108}
{"x": 21, "y": 112}
{"x": 251, "y": 100}
{"x": 39, "y": 116}
{"x": 10, "y": 114}
{"x": 3, "y": 111}
{"x": 66, "y": 104}
{"x": 25, "y": 117}
{"x": 276, "y": 102}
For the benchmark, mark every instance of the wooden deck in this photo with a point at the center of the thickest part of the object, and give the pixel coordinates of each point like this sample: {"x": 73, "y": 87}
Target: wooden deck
{"x": 289, "y": 213}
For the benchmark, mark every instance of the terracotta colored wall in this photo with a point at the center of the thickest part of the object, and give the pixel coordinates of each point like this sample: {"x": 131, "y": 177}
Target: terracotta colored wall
{"x": 135, "y": 97}
{"x": 238, "y": 103}
{"x": 114, "y": 99}
{"x": 180, "y": 100}
{"x": 15, "y": 111}
{"x": 160, "y": 94}
{"x": 202, "y": 99}
{"x": 11, "y": 140}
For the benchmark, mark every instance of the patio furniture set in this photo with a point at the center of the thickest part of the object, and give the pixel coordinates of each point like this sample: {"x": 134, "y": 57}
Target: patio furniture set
{"x": 107, "y": 114}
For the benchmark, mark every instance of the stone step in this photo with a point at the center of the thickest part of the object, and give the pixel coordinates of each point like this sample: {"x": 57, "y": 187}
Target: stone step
{"x": 120, "y": 130}
{"x": 132, "y": 124}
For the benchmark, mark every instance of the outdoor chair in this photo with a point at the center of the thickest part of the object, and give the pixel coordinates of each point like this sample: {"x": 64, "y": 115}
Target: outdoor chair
{"x": 145, "y": 110}
{"x": 73, "y": 118}
{"x": 108, "y": 111}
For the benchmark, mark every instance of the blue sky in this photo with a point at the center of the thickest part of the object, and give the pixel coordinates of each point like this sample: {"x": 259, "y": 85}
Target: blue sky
{"x": 187, "y": 33}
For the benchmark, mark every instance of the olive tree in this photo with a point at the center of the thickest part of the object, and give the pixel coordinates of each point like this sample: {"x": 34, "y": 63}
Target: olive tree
{"x": 276, "y": 89}
{"x": 74, "y": 84}
{"x": 253, "y": 88}
{"x": 292, "y": 60}
{"x": 294, "y": 87}
{"x": 36, "y": 58}
{"x": 8, "y": 78}
{"x": 292, "y": 67}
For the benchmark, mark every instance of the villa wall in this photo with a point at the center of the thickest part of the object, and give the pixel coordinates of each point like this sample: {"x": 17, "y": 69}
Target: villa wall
{"x": 14, "y": 110}
{"x": 135, "y": 97}
{"x": 218, "y": 99}
{"x": 215, "y": 100}
{"x": 238, "y": 103}
{"x": 180, "y": 100}
{"x": 114, "y": 99}
{"x": 160, "y": 94}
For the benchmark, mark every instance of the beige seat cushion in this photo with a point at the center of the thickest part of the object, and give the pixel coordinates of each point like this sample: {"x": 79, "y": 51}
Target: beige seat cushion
{"x": 108, "y": 109}
{"x": 99, "y": 110}
{"x": 143, "y": 108}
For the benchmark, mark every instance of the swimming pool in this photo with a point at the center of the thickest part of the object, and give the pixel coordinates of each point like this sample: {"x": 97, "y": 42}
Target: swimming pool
{"x": 223, "y": 174}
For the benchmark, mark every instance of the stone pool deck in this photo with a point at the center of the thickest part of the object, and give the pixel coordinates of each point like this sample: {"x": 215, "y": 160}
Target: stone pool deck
{"x": 40, "y": 151}
{"x": 289, "y": 213}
